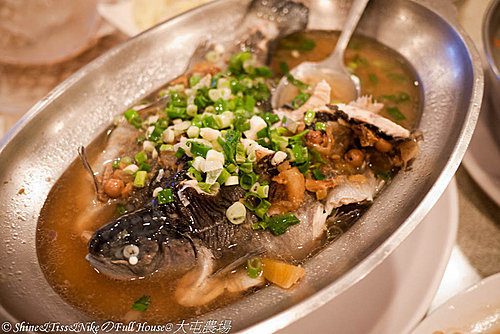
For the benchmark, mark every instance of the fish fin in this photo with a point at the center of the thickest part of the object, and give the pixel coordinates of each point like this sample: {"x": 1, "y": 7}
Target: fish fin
{"x": 198, "y": 287}
{"x": 188, "y": 238}
{"x": 83, "y": 157}
{"x": 343, "y": 217}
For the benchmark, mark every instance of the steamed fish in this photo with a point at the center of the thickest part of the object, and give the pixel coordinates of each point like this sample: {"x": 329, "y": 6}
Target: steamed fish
{"x": 209, "y": 180}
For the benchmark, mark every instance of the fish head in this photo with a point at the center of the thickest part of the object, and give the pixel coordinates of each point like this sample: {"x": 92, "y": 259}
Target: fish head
{"x": 126, "y": 249}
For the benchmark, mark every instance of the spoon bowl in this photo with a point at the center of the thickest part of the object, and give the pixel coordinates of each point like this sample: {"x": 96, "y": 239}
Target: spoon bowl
{"x": 345, "y": 86}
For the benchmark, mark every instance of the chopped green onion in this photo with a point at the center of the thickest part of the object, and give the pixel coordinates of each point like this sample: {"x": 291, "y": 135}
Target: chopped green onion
{"x": 191, "y": 110}
{"x": 247, "y": 180}
{"x": 279, "y": 224}
{"x": 232, "y": 180}
{"x": 231, "y": 168}
{"x": 388, "y": 97}
{"x": 263, "y": 191}
{"x": 140, "y": 179}
{"x": 254, "y": 267}
{"x": 236, "y": 213}
{"x": 402, "y": 97}
{"x": 301, "y": 85}
{"x": 165, "y": 196}
{"x": 264, "y": 133}
{"x": 120, "y": 210}
{"x": 373, "y": 78}
{"x": 236, "y": 62}
{"x": 116, "y": 163}
{"x": 270, "y": 118}
{"x": 240, "y": 153}
{"x": 395, "y": 113}
{"x": 298, "y": 136}
{"x": 180, "y": 153}
{"x": 246, "y": 167}
{"x": 297, "y": 42}
{"x": 317, "y": 156}
{"x": 145, "y": 167}
{"x": 317, "y": 174}
{"x": 251, "y": 197}
{"x": 397, "y": 77}
{"x": 193, "y": 80}
{"x": 130, "y": 114}
{"x": 199, "y": 149}
{"x": 354, "y": 45}
{"x": 382, "y": 175}
{"x": 299, "y": 100}
{"x": 262, "y": 208}
{"x": 126, "y": 160}
{"x": 141, "y": 157}
{"x": 252, "y": 157}
{"x": 299, "y": 153}
{"x": 194, "y": 174}
{"x": 320, "y": 126}
{"x": 209, "y": 188}
{"x": 352, "y": 65}
{"x": 156, "y": 134}
{"x": 308, "y": 118}
{"x": 142, "y": 304}
{"x": 223, "y": 176}
{"x": 166, "y": 147}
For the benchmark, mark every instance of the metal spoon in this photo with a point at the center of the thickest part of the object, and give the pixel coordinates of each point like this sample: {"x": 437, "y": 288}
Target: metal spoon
{"x": 344, "y": 85}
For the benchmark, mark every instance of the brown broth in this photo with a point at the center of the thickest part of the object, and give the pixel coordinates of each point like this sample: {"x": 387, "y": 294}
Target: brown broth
{"x": 390, "y": 74}
{"x": 61, "y": 253}
{"x": 61, "y": 249}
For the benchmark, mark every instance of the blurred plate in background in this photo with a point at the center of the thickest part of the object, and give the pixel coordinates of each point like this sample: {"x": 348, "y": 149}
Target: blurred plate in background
{"x": 134, "y": 16}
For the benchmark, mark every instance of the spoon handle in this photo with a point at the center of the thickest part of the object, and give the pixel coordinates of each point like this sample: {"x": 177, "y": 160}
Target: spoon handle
{"x": 355, "y": 13}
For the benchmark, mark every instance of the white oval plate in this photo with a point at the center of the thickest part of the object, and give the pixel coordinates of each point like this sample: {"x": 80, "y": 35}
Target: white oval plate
{"x": 483, "y": 155}
{"x": 476, "y": 310}
{"x": 395, "y": 296}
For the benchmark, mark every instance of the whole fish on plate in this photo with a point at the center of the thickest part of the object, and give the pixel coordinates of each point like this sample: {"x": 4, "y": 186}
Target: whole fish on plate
{"x": 218, "y": 182}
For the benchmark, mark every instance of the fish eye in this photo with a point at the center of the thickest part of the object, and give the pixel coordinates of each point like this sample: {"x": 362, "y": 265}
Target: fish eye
{"x": 131, "y": 252}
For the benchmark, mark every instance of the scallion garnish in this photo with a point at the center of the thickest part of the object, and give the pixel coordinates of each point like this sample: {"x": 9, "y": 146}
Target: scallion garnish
{"x": 165, "y": 196}
{"x": 254, "y": 267}
{"x": 141, "y": 157}
{"x": 279, "y": 224}
{"x": 247, "y": 180}
{"x": 395, "y": 113}
{"x": 223, "y": 176}
{"x": 120, "y": 209}
{"x": 317, "y": 174}
{"x": 199, "y": 149}
{"x": 145, "y": 167}
{"x": 142, "y": 304}
{"x": 262, "y": 208}
{"x": 194, "y": 174}
{"x": 299, "y": 100}
{"x": 116, "y": 163}
{"x": 308, "y": 118}
{"x": 236, "y": 213}
{"x": 320, "y": 126}
{"x": 140, "y": 179}
{"x": 373, "y": 78}
{"x": 246, "y": 167}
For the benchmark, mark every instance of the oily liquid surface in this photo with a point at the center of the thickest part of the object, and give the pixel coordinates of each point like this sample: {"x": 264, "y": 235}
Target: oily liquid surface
{"x": 383, "y": 73}
{"x": 66, "y": 214}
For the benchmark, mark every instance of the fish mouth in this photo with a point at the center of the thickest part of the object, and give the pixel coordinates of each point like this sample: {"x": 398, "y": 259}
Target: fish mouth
{"x": 114, "y": 270}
